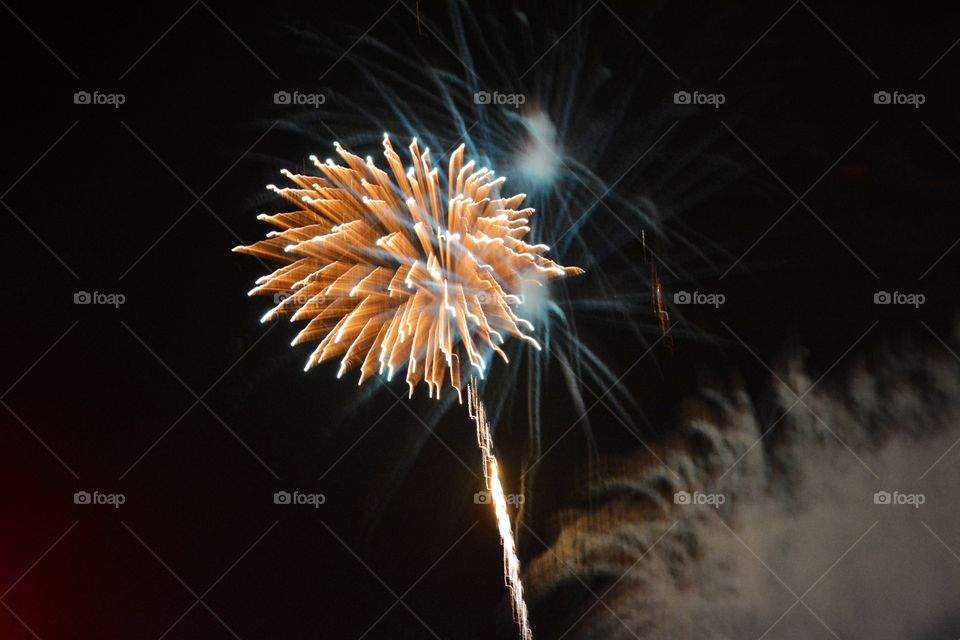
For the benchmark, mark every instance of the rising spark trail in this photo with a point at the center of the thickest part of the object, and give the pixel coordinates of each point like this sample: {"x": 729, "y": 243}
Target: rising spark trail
{"x": 491, "y": 472}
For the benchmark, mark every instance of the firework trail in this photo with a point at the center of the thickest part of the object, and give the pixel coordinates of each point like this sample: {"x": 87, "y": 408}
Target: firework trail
{"x": 388, "y": 278}
{"x": 491, "y": 472}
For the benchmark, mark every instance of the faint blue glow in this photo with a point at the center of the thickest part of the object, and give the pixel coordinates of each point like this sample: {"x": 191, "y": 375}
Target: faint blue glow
{"x": 538, "y": 160}
{"x": 535, "y": 297}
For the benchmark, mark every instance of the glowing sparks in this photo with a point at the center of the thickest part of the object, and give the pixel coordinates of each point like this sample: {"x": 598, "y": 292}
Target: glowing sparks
{"x": 659, "y": 308}
{"x": 511, "y": 562}
{"x": 389, "y": 278}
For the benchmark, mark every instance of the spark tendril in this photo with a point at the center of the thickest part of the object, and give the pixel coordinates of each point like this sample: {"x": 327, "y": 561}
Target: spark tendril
{"x": 388, "y": 278}
{"x": 491, "y": 473}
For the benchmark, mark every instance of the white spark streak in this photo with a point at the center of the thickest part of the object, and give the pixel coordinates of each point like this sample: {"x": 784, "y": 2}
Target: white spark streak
{"x": 491, "y": 471}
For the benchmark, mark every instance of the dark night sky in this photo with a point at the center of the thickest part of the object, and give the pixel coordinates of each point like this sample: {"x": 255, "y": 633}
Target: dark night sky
{"x": 183, "y": 402}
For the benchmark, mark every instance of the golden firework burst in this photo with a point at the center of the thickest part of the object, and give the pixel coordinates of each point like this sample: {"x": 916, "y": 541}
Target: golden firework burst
{"x": 388, "y": 277}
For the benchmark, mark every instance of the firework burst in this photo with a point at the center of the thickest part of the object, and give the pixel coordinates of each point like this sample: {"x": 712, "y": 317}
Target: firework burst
{"x": 387, "y": 277}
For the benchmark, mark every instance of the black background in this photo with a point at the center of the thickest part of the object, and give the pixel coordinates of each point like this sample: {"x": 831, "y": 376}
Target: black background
{"x": 197, "y": 413}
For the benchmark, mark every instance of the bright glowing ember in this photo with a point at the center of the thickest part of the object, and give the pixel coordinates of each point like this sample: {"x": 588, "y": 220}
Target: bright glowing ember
{"x": 389, "y": 272}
